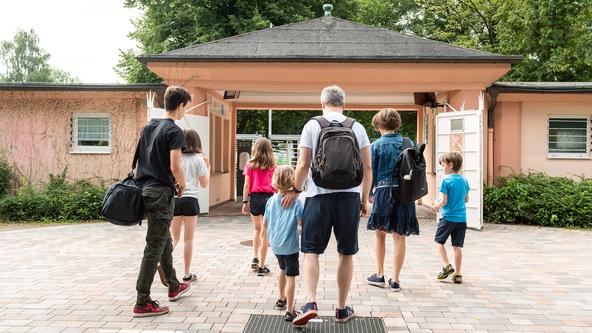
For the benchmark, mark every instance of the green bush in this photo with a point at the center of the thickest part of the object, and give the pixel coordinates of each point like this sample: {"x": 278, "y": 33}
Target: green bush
{"x": 59, "y": 200}
{"x": 538, "y": 199}
{"x": 4, "y": 177}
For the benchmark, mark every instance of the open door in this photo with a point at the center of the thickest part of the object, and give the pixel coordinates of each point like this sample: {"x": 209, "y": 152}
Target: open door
{"x": 202, "y": 125}
{"x": 463, "y": 132}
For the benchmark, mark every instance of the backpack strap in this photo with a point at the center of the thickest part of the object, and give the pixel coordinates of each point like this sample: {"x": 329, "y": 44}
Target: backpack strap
{"x": 406, "y": 143}
{"x": 348, "y": 122}
{"x": 322, "y": 121}
{"x": 136, "y": 156}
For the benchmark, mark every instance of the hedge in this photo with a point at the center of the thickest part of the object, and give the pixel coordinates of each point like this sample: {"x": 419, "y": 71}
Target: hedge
{"x": 538, "y": 199}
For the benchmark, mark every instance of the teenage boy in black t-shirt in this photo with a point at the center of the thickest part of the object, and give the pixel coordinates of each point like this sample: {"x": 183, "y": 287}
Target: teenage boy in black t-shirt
{"x": 159, "y": 173}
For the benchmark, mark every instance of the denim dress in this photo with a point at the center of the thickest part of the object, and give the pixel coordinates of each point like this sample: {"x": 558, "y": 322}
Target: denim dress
{"x": 389, "y": 215}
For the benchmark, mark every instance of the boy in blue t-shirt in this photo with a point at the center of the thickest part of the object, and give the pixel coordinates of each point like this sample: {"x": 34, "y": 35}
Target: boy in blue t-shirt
{"x": 282, "y": 232}
{"x": 454, "y": 194}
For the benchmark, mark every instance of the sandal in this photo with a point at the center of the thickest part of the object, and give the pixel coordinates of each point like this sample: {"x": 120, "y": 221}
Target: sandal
{"x": 190, "y": 278}
{"x": 457, "y": 278}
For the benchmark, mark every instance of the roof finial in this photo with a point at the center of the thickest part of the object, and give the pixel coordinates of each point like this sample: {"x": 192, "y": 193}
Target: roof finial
{"x": 327, "y": 8}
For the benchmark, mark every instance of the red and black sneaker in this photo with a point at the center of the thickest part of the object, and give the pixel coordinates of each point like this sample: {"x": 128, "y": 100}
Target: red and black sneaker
{"x": 149, "y": 309}
{"x": 181, "y": 290}
{"x": 309, "y": 311}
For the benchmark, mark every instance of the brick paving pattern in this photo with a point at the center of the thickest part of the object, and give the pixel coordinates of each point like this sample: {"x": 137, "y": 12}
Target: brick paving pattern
{"x": 81, "y": 278}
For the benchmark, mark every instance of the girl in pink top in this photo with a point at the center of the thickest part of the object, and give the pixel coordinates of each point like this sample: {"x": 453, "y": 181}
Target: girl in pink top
{"x": 257, "y": 191}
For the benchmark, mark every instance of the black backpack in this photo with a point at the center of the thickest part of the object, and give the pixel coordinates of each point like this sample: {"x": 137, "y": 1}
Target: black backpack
{"x": 123, "y": 203}
{"x": 410, "y": 173}
{"x": 337, "y": 163}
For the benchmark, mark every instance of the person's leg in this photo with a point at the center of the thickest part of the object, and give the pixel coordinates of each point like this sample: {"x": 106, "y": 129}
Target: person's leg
{"x": 457, "y": 259}
{"x": 345, "y": 271}
{"x": 399, "y": 244}
{"x": 379, "y": 251}
{"x": 290, "y": 291}
{"x": 157, "y": 238}
{"x": 282, "y": 284}
{"x": 311, "y": 276}
{"x": 176, "y": 229}
{"x": 189, "y": 223}
{"x": 264, "y": 243}
{"x": 443, "y": 255}
{"x": 257, "y": 226}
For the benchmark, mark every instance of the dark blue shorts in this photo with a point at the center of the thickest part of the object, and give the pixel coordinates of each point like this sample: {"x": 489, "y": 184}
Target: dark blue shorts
{"x": 289, "y": 264}
{"x": 454, "y": 229}
{"x": 339, "y": 212}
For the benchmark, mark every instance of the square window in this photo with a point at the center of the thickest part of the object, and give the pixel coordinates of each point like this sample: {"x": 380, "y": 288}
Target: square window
{"x": 568, "y": 137}
{"x": 457, "y": 125}
{"x": 91, "y": 133}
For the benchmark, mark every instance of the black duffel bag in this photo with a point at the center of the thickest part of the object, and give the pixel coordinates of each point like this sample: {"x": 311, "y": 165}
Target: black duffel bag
{"x": 123, "y": 203}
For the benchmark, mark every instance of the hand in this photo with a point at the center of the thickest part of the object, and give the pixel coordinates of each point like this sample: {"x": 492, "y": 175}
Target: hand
{"x": 289, "y": 199}
{"x": 435, "y": 206}
{"x": 180, "y": 189}
{"x": 364, "y": 208}
{"x": 245, "y": 209}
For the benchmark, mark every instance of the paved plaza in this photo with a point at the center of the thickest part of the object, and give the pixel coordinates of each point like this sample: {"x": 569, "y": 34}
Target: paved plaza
{"x": 81, "y": 278}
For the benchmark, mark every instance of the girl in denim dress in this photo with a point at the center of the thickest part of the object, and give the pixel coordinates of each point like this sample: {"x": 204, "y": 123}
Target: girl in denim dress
{"x": 402, "y": 220}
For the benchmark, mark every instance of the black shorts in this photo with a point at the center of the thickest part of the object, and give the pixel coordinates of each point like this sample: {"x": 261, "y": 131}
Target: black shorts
{"x": 338, "y": 211}
{"x": 289, "y": 264}
{"x": 257, "y": 202}
{"x": 454, "y": 229}
{"x": 186, "y": 206}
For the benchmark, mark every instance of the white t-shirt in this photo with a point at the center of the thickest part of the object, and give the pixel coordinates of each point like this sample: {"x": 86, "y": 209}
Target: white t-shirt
{"x": 308, "y": 139}
{"x": 193, "y": 167}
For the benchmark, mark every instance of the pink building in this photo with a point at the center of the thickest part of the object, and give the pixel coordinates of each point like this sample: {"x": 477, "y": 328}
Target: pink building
{"x": 504, "y": 127}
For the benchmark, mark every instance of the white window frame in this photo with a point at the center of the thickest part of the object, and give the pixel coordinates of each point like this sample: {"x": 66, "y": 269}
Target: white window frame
{"x": 76, "y": 149}
{"x": 567, "y": 155}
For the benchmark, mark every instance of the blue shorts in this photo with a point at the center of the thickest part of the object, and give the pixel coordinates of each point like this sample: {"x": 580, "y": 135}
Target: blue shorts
{"x": 454, "y": 229}
{"x": 289, "y": 264}
{"x": 339, "y": 212}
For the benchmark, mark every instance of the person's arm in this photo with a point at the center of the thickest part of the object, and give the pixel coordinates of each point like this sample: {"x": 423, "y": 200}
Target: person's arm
{"x": 302, "y": 167}
{"x": 177, "y": 170}
{"x": 204, "y": 171}
{"x": 441, "y": 202}
{"x": 367, "y": 180}
{"x": 467, "y": 198}
{"x": 245, "y": 208}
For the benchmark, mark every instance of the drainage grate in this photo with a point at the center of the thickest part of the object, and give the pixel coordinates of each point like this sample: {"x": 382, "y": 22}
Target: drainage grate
{"x": 277, "y": 324}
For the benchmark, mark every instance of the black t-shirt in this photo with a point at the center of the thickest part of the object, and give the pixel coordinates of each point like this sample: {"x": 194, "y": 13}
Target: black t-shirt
{"x": 158, "y": 138}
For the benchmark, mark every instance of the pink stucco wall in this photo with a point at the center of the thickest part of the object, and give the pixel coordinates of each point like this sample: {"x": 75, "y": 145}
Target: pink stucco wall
{"x": 534, "y": 124}
{"x": 36, "y": 133}
{"x": 507, "y": 147}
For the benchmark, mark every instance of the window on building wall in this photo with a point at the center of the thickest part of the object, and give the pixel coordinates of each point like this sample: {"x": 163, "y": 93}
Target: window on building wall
{"x": 569, "y": 136}
{"x": 91, "y": 133}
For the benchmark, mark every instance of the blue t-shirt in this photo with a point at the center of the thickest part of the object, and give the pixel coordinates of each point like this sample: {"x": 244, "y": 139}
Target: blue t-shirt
{"x": 456, "y": 187}
{"x": 282, "y": 227}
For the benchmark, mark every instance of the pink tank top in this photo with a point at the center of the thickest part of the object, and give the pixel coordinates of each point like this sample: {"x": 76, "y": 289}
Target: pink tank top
{"x": 259, "y": 179}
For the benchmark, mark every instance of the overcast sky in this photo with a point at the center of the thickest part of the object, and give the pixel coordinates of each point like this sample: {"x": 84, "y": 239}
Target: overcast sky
{"x": 82, "y": 36}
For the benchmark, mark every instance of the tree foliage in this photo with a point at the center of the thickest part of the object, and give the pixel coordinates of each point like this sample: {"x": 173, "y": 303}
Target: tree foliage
{"x": 555, "y": 37}
{"x": 25, "y": 61}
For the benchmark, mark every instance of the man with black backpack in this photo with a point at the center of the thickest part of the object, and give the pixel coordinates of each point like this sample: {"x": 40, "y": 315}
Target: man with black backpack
{"x": 335, "y": 163}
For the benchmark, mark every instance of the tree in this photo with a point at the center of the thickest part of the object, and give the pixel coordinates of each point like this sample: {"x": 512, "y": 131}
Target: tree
{"x": 174, "y": 24}
{"x": 25, "y": 61}
{"x": 555, "y": 38}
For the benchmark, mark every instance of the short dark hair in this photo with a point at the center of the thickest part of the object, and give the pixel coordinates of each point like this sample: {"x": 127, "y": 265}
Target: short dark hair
{"x": 192, "y": 142}
{"x": 387, "y": 119}
{"x": 175, "y": 96}
{"x": 453, "y": 157}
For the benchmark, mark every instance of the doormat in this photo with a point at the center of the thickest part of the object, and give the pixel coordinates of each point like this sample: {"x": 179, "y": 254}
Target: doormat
{"x": 277, "y": 324}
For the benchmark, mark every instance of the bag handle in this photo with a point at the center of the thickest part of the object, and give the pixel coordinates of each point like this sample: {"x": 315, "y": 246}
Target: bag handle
{"x": 136, "y": 156}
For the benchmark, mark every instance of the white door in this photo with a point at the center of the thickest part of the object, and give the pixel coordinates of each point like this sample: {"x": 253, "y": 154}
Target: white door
{"x": 202, "y": 125}
{"x": 463, "y": 132}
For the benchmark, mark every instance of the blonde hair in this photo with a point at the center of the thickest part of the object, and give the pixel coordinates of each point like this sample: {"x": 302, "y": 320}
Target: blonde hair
{"x": 387, "y": 119}
{"x": 262, "y": 155}
{"x": 283, "y": 178}
{"x": 454, "y": 158}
